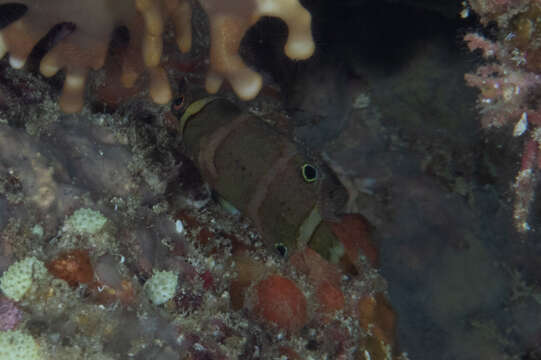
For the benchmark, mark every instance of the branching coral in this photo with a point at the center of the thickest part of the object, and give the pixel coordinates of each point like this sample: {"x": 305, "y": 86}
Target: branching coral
{"x": 86, "y": 48}
{"x": 230, "y": 20}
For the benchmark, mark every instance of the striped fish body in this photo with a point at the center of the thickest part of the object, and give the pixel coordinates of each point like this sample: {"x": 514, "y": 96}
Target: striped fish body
{"x": 259, "y": 171}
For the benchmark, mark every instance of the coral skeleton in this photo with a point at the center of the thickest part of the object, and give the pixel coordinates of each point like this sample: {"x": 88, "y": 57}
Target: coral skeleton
{"x": 86, "y": 47}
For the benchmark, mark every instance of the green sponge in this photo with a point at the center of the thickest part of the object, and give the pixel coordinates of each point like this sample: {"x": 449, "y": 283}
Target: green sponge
{"x": 85, "y": 222}
{"x": 20, "y": 276}
{"x": 16, "y": 345}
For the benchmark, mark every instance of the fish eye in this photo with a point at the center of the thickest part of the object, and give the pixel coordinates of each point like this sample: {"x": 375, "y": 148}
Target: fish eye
{"x": 309, "y": 173}
{"x": 177, "y": 106}
{"x": 281, "y": 249}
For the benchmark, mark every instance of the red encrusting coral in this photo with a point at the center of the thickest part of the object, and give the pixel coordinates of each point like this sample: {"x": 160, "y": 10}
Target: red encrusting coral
{"x": 74, "y": 267}
{"x": 311, "y": 264}
{"x": 279, "y": 301}
{"x": 324, "y": 276}
{"x": 354, "y": 234}
{"x": 330, "y": 297}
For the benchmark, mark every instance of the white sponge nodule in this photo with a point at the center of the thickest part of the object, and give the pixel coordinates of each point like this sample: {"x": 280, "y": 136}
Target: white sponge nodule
{"x": 161, "y": 286}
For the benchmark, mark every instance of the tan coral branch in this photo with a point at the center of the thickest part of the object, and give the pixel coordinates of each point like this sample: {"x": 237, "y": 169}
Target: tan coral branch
{"x": 86, "y": 47}
{"x": 230, "y": 20}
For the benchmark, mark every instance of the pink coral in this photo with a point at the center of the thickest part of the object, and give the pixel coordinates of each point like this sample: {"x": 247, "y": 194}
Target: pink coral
{"x": 488, "y": 9}
{"x": 505, "y": 86}
{"x": 10, "y": 315}
{"x": 510, "y": 85}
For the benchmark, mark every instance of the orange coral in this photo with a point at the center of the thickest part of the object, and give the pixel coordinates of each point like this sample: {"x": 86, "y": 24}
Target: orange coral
{"x": 324, "y": 276}
{"x": 330, "y": 297}
{"x": 86, "y": 48}
{"x": 317, "y": 269}
{"x": 280, "y": 301}
{"x": 74, "y": 267}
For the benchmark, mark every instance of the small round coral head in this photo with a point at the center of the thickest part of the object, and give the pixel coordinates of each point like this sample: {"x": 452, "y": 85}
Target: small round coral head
{"x": 246, "y": 83}
{"x": 160, "y": 90}
{"x": 213, "y": 82}
{"x": 161, "y": 287}
{"x": 48, "y": 68}
{"x": 71, "y": 101}
{"x": 280, "y": 302}
{"x": 16, "y": 63}
{"x": 300, "y": 48}
{"x": 330, "y": 297}
{"x": 300, "y": 44}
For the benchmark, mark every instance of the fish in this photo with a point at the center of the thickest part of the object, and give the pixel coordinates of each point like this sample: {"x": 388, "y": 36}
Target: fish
{"x": 290, "y": 196}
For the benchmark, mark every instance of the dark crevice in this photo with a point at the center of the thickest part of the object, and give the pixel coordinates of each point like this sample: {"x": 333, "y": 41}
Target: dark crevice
{"x": 11, "y": 12}
{"x": 53, "y": 37}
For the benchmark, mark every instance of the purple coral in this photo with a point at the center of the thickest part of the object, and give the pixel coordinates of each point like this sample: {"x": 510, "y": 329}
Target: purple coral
{"x": 10, "y": 315}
